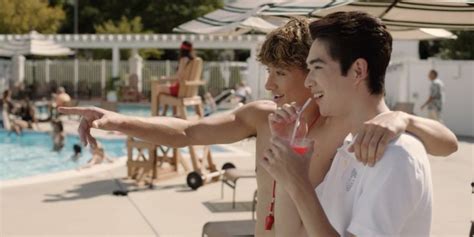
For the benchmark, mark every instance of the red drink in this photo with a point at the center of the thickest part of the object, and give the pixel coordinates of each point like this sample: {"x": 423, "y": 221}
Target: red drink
{"x": 299, "y": 149}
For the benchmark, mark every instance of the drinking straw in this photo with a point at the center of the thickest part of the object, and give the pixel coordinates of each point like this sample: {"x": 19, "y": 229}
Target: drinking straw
{"x": 297, "y": 123}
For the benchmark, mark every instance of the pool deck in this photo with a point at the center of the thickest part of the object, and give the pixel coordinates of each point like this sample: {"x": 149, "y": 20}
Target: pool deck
{"x": 80, "y": 203}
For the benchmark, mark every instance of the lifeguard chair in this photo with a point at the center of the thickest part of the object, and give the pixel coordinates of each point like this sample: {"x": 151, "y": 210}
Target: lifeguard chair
{"x": 159, "y": 155}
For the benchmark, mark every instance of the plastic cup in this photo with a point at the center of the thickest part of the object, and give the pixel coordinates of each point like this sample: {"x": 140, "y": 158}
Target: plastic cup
{"x": 285, "y": 130}
{"x": 301, "y": 145}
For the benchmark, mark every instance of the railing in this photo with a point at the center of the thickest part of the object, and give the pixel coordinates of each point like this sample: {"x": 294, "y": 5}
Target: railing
{"x": 85, "y": 79}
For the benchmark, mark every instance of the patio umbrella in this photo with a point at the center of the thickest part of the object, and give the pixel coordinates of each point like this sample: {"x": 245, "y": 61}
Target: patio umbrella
{"x": 233, "y": 19}
{"x": 244, "y": 16}
{"x": 33, "y": 43}
{"x": 453, "y": 15}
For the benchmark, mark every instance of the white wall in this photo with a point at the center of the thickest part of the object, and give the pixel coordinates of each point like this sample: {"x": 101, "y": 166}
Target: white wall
{"x": 404, "y": 49}
{"x": 458, "y": 78}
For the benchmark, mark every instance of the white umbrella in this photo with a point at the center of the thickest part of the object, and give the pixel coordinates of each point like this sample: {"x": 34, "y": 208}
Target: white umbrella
{"x": 32, "y": 44}
{"x": 233, "y": 19}
{"x": 454, "y": 14}
{"x": 420, "y": 34}
{"x": 244, "y": 16}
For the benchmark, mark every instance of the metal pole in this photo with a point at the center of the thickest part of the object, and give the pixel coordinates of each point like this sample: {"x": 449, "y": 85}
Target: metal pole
{"x": 76, "y": 17}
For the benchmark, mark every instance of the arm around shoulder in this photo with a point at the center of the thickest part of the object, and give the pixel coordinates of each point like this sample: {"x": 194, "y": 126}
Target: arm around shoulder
{"x": 437, "y": 138}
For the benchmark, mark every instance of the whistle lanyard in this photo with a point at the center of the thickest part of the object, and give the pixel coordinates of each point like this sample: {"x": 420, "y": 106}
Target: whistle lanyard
{"x": 270, "y": 219}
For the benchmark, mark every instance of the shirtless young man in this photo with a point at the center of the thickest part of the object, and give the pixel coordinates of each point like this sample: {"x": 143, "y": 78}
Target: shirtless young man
{"x": 284, "y": 52}
{"x": 393, "y": 198}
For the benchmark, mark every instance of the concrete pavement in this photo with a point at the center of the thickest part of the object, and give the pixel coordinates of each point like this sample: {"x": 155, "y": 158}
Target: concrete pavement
{"x": 82, "y": 204}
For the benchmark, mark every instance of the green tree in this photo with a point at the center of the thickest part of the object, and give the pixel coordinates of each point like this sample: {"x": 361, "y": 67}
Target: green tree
{"x": 157, "y": 16}
{"x": 19, "y": 17}
{"x": 124, "y": 26}
{"x": 461, "y": 48}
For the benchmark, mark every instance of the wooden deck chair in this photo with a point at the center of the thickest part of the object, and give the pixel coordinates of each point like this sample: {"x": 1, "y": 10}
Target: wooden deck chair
{"x": 140, "y": 166}
{"x": 145, "y": 165}
{"x": 187, "y": 97}
{"x": 187, "y": 94}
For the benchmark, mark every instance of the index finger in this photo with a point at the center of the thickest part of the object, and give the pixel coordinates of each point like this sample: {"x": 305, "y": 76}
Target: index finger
{"x": 76, "y": 111}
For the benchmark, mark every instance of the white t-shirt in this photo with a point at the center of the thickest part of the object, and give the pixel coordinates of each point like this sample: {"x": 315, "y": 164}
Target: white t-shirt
{"x": 393, "y": 198}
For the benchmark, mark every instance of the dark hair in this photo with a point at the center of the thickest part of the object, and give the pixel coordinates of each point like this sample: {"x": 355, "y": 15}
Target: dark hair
{"x": 186, "y": 50}
{"x": 349, "y": 36}
{"x": 77, "y": 148}
{"x": 434, "y": 72}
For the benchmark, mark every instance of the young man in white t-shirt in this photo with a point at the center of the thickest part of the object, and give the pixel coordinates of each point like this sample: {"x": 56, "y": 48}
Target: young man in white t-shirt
{"x": 347, "y": 63}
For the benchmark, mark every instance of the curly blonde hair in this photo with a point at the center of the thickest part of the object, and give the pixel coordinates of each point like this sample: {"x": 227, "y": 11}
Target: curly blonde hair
{"x": 288, "y": 45}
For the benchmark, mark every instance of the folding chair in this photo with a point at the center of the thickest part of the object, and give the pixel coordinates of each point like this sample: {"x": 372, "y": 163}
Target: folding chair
{"x": 230, "y": 178}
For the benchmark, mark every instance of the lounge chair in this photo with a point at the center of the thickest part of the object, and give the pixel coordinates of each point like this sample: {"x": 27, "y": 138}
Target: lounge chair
{"x": 229, "y": 228}
{"x": 230, "y": 178}
{"x": 232, "y": 228}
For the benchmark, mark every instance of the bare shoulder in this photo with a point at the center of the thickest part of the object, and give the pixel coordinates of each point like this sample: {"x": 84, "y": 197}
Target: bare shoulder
{"x": 256, "y": 110}
{"x": 262, "y": 106}
{"x": 255, "y": 114}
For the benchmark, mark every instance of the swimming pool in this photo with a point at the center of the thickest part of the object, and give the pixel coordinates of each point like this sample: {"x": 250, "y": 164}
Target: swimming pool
{"x": 143, "y": 110}
{"x": 31, "y": 154}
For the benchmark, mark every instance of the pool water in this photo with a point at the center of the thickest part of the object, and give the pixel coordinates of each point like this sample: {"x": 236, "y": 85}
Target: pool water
{"x": 141, "y": 110}
{"x": 135, "y": 109}
{"x": 144, "y": 110}
{"x": 31, "y": 154}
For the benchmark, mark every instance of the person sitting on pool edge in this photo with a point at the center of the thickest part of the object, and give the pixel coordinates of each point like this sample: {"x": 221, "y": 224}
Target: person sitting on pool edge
{"x": 98, "y": 156}
{"x": 58, "y": 135}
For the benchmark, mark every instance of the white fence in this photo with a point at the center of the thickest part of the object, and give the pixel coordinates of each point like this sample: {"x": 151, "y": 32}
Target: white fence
{"x": 89, "y": 78}
{"x": 458, "y": 110}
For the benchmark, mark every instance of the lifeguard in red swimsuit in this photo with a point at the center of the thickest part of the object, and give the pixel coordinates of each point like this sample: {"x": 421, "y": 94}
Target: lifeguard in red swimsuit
{"x": 186, "y": 54}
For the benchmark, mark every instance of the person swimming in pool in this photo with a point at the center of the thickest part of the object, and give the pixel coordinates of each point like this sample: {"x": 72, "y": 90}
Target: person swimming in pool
{"x": 77, "y": 152}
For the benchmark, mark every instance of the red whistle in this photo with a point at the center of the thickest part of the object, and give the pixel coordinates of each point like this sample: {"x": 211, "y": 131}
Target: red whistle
{"x": 269, "y": 222}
